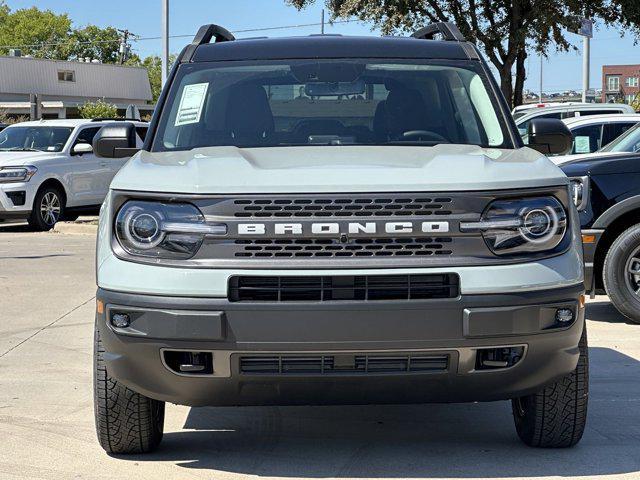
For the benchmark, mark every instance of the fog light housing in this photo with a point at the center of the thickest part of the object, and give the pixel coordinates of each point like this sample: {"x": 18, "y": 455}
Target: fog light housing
{"x": 564, "y": 316}
{"x": 120, "y": 320}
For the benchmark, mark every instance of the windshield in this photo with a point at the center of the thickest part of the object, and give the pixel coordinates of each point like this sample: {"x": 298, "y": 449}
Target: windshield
{"x": 46, "y": 139}
{"x": 627, "y": 142}
{"x": 329, "y": 102}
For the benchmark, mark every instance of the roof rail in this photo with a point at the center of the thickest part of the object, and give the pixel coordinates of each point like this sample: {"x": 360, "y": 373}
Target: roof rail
{"x": 114, "y": 119}
{"x": 448, "y": 31}
{"x": 204, "y": 36}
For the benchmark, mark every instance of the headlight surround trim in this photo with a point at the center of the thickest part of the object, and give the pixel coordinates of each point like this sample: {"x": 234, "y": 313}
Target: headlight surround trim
{"x": 504, "y": 227}
{"x": 17, "y": 173}
{"x": 579, "y": 189}
{"x": 174, "y": 230}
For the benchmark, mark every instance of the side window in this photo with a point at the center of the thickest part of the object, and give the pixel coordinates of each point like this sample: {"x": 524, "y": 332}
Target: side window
{"x": 586, "y": 113}
{"x": 86, "y": 135}
{"x": 587, "y": 139}
{"x": 614, "y": 130}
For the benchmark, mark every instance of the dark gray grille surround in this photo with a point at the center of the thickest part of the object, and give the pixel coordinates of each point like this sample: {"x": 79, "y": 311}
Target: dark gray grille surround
{"x": 342, "y": 248}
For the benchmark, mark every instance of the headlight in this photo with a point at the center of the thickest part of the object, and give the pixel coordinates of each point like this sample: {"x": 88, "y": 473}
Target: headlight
{"x": 162, "y": 230}
{"x": 17, "y": 174}
{"x": 511, "y": 227}
{"x": 579, "y": 191}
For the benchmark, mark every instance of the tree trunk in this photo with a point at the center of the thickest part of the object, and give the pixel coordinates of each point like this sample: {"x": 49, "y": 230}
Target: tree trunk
{"x": 506, "y": 83}
{"x": 521, "y": 75}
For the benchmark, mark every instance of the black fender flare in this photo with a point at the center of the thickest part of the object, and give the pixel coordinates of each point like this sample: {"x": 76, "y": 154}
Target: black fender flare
{"x": 616, "y": 211}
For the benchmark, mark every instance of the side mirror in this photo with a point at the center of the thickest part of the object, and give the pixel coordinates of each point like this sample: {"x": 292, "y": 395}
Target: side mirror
{"x": 116, "y": 140}
{"x": 549, "y": 136}
{"x": 80, "y": 148}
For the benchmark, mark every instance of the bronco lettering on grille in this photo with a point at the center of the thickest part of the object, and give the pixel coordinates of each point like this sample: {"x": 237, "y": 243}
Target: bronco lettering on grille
{"x": 333, "y": 228}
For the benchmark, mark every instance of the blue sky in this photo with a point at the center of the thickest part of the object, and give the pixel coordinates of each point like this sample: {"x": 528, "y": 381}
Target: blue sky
{"x": 560, "y": 71}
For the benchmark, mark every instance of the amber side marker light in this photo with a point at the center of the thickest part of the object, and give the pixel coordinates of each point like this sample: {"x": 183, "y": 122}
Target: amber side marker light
{"x": 588, "y": 239}
{"x": 100, "y": 306}
{"x": 582, "y": 300}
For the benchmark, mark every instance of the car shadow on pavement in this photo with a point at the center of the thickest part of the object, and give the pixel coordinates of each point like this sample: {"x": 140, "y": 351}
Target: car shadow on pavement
{"x": 14, "y": 227}
{"x": 605, "y": 312}
{"x": 415, "y": 441}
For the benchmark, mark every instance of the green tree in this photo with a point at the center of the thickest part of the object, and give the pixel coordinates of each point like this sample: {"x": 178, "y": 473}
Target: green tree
{"x": 36, "y": 32}
{"x": 98, "y": 109}
{"x": 94, "y": 42}
{"x": 506, "y": 30}
{"x": 153, "y": 64}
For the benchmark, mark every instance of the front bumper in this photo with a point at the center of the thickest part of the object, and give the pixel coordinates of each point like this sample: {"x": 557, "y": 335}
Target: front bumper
{"x": 8, "y": 209}
{"x": 455, "y": 329}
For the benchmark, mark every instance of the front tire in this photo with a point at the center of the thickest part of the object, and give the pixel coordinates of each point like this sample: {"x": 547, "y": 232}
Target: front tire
{"x": 48, "y": 208}
{"x": 126, "y": 421}
{"x": 621, "y": 273}
{"x": 555, "y": 417}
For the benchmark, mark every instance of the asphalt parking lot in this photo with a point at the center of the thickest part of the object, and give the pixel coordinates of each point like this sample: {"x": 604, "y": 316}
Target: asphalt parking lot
{"x": 46, "y": 410}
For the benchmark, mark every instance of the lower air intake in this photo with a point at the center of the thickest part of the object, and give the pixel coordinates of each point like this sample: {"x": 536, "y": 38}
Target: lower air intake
{"x": 351, "y": 364}
{"x": 342, "y": 288}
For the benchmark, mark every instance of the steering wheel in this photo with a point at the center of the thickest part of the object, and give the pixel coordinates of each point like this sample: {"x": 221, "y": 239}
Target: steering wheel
{"x": 424, "y": 135}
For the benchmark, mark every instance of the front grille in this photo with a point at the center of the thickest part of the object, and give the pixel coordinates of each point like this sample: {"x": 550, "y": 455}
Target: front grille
{"x": 360, "y": 247}
{"x": 341, "y": 364}
{"x": 342, "y": 288}
{"x": 343, "y": 207}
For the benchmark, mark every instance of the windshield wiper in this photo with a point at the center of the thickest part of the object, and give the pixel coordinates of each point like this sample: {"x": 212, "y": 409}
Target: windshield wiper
{"x": 20, "y": 149}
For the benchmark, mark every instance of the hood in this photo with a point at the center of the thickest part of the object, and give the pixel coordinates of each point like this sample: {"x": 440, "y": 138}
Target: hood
{"x": 12, "y": 159}
{"x": 564, "y": 159}
{"x": 317, "y": 169}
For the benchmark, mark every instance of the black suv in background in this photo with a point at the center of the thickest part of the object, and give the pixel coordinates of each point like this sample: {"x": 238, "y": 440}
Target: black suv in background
{"x": 606, "y": 190}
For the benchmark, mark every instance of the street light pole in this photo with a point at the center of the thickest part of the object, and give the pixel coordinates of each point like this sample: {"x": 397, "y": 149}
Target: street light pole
{"x": 540, "y": 99}
{"x": 165, "y": 40}
{"x": 585, "y": 66}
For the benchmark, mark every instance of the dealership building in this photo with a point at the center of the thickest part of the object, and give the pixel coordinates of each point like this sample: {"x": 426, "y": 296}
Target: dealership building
{"x": 62, "y": 86}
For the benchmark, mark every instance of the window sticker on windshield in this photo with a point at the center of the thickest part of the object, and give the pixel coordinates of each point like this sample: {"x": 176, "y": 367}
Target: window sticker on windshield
{"x": 191, "y": 104}
{"x": 582, "y": 144}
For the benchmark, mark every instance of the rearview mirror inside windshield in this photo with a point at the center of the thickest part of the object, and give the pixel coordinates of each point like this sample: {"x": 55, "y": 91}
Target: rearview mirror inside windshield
{"x": 334, "y": 89}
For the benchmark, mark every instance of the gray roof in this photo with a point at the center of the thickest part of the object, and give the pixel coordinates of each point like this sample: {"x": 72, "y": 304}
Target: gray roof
{"x": 20, "y": 75}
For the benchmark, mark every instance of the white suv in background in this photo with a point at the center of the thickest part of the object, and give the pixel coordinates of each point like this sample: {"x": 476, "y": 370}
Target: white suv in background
{"x": 566, "y": 110}
{"x": 48, "y": 170}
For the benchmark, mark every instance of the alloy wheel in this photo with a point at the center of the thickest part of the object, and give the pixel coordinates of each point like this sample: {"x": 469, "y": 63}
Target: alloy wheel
{"x": 50, "y": 208}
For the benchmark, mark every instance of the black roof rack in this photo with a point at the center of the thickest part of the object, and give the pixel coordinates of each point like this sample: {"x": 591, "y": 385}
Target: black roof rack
{"x": 204, "y": 35}
{"x": 448, "y": 31}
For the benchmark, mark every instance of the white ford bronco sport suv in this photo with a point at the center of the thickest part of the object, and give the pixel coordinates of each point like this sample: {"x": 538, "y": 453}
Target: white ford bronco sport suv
{"x": 337, "y": 220}
{"x": 48, "y": 170}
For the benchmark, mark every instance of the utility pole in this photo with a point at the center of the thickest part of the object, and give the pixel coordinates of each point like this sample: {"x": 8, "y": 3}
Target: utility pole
{"x": 165, "y": 40}
{"x": 586, "y": 30}
{"x": 322, "y": 23}
{"x": 540, "y": 99}
{"x": 585, "y": 67}
{"x": 125, "y": 48}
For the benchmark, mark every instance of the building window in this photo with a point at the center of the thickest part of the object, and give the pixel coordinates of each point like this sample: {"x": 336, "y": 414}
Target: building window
{"x": 613, "y": 83}
{"x": 632, "y": 81}
{"x": 630, "y": 98}
{"x": 66, "y": 76}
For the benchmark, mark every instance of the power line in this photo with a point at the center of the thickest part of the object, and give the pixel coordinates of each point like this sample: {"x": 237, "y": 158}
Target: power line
{"x": 140, "y": 39}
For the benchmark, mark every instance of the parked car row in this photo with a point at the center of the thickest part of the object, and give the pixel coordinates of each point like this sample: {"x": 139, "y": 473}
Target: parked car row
{"x": 48, "y": 170}
{"x": 603, "y": 166}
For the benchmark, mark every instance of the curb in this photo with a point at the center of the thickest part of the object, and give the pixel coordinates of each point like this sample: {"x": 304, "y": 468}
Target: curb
{"x": 73, "y": 228}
